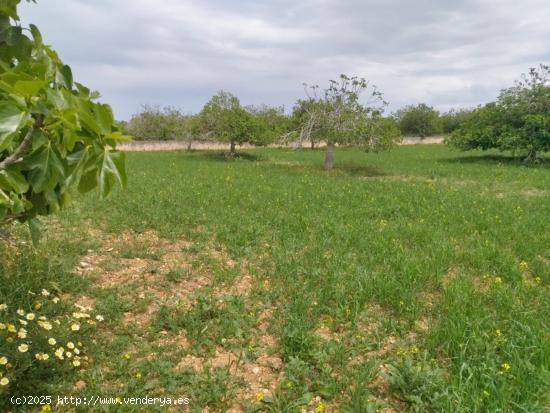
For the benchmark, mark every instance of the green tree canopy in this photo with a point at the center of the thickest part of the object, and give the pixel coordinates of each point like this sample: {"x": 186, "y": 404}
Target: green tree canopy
{"x": 55, "y": 139}
{"x": 271, "y": 124}
{"x": 420, "y": 120}
{"x": 453, "y": 119}
{"x": 228, "y": 121}
{"x": 342, "y": 118}
{"x": 518, "y": 121}
{"x": 154, "y": 122}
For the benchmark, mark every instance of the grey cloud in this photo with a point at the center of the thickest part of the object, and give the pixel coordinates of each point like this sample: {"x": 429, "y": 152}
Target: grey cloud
{"x": 180, "y": 52}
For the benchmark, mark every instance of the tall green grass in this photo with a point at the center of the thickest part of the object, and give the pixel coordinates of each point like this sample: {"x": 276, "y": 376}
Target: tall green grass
{"x": 426, "y": 234}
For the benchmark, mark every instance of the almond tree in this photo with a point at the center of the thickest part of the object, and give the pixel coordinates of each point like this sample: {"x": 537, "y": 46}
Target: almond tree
{"x": 342, "y": 119}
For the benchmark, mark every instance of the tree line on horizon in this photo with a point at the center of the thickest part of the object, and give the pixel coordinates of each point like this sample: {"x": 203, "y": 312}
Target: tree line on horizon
{"x": 155, "y": 122}
{"x": 518, "y": 121}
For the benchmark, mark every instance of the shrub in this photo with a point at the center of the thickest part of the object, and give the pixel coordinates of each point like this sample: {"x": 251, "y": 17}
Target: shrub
{"x": 153, "y": 122}
{"x": 420, "y": 120}
{"x": 453, "y": 119}
{"x": 519, "y": 120}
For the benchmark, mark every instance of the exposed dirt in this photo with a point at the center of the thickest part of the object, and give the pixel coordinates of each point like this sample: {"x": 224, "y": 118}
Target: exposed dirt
{"x": 113, "y": 265}
{"x": 451, "y": 275}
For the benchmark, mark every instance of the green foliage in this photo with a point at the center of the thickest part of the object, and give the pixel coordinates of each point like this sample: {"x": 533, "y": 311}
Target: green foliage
{"x": 54, "y": 138}
{"x": 228, "y": 121}
{"x": 338, "y": 116}
{"x": 384, "y": 253}
{"x": 157, "y": 123}
{"x": 481, "y": 129}
{"x": 41, "y": 339}
{"x": 272, "y": 124}
{"x": 518, "y": 121}
{"x": 343, "y": 119}
{"x": 305, "y": 116}
{"x": 420, "y": 120}
{"x": 453, "y": 119}
{"x": 420, "y": 384}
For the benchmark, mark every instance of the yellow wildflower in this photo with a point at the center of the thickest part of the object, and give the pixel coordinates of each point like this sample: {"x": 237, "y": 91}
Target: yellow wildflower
{"x": 37, "y": 306}
{"x": 23, "y": 322}
{"x": 3, "y": 307}
{"x": 498, "y": 333}
{"x": 320, "y": 408}
{"x": 506, "y": 366}
{"x": 498, "y": 280}
{"x": 22, "y": 333}
{"x": 138, "y": 375}
{"x": 2, "y": 326}
{"x": 55, "y": 300}
{"x": 414, "y": 349}
{"x": 23, "y": 348}
{"x": 51, "y": 341}
{"x": 523, "y": 266}
{"x": 126, "y": 356}
{"x": 259, "y": 396}
{"x": 99, "y": 318}
{"x": 4, "y": 381}
{"x": 11, "y": 328}
{"x": 70, "y": 345}
{"x": 75, "y": 327}
{"x": 45, "y": 293}
{"x": 20, "y": 312}
{"x": 30, "y": 316}
{"x": 76, "y": 363}
{"x": 46, "y": 408}
{"x": 3, "y": 361}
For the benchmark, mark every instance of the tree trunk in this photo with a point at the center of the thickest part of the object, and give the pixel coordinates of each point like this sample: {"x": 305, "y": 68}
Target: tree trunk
{"x": 232, "y": 149}
{"x": 531, "y": 156}
{"x": 312, "y": 144}
{"x": 329, "y": 156}
{"x": 189, "y": 143}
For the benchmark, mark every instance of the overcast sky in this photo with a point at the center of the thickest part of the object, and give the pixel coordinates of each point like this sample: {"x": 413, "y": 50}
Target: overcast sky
{"x": 180, "y": 52}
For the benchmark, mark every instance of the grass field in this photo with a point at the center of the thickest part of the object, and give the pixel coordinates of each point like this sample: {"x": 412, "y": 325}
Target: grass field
{"x": 413, "y": 280}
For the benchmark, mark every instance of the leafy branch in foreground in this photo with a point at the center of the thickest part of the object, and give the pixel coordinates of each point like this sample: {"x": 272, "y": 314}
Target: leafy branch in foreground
{"x": 55, "y": 139}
